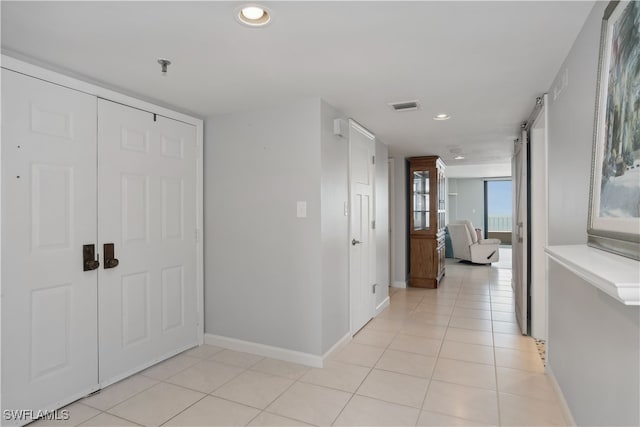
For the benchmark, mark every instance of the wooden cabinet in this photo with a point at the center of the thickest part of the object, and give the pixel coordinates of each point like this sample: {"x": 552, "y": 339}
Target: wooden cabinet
{"x": 426, "y": 221}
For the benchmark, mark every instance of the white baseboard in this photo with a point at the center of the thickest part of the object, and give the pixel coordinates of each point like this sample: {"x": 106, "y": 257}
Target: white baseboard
{"x": 384, "y": 304}
{"x": 287, "y": 355}
{"x": 337, "y": 346}
{"x": 399, "y": 284}
{"x": 566, "y": 411}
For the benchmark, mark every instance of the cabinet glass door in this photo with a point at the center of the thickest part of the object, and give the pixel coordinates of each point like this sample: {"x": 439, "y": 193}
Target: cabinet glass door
{"x": 441, "y": 200}
{"x": 420, "y": 200}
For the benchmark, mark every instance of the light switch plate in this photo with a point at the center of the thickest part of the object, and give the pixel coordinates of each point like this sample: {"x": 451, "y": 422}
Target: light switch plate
{"x": 301, "y": 209}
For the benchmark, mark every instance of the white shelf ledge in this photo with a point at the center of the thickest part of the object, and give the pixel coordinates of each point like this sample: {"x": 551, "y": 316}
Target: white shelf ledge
{"x": 615, "y": 275}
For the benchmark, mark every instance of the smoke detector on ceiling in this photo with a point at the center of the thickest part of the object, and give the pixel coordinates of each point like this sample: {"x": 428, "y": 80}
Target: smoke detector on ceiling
{"x": 404, "y": 105}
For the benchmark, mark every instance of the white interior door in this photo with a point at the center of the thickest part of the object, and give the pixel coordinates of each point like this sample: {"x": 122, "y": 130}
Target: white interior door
{"x": 49, "y": 342}
{"x": 362, "y": 242}
{"x": 147, "y": 210}
{"x": 519, "y": 261}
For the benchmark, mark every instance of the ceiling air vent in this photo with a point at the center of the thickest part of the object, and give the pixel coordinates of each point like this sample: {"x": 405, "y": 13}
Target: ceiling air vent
{"x": 404, "y": 105}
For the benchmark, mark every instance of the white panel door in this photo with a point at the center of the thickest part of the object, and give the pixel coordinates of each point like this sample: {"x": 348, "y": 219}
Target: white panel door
{"x": 147, "y": 210}
{"x": 519, "y": 262}
{"x": 362, "y": 242}
{"x": 49, "y": 342}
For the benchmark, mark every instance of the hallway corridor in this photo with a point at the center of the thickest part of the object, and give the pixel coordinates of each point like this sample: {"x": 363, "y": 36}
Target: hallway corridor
{"x": 446, "y": 357}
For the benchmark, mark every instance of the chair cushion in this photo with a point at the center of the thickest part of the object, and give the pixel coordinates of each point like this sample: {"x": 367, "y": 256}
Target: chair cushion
{"x": 490, "y": 241}
{"x": 471, "y": 229}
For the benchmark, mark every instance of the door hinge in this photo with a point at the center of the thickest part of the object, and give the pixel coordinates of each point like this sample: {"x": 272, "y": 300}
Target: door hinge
{"x": 197, "y": 234}
{"x": 373, "y": 225}
{"x": 373, "y": 160}
{"x": 373, "y": 288}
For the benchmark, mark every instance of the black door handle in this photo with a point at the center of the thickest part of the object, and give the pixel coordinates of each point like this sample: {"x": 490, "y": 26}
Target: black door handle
{"x": 89, "y": 261}
{"x": 110, "y": 260}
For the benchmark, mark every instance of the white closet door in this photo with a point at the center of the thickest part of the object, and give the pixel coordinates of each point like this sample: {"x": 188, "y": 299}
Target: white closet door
{"x": 49, "y": 342}
{"x": 147, "y": 209}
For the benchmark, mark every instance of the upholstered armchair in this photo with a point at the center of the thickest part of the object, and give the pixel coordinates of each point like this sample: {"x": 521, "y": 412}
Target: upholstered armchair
{"x": 467, "y": 246}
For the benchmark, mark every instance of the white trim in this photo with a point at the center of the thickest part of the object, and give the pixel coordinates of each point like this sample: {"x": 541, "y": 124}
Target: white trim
{"x": 564, "y": 406}
{"x": 200, "y": 229}
{"x": 392, "y": 213}
{"x": 337, "y": 347}
{"x": 399, "y": 284}
{"x": 74, "y": 83}
{"x": 264, "y": 350}
{"x": 357, "y": 126}
{"x": 617, "y": 276}
{"x": 384, "y": 304}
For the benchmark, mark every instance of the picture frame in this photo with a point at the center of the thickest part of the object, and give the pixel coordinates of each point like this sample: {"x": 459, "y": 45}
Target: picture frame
{"x": 614, "y": 199}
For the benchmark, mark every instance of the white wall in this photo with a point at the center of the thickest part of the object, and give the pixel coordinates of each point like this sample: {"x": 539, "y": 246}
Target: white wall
{"x": 272, "y": 278}
{"x": 594, "y": 351}
{"x": 570, "y": 127}
{"x": 399, "y": 226}
{"x": 469, "y": 203}
{"x": 263, "y": 276}
{"x": 335, "y": 230}
{"x": 594, "y": 341}
{"x": 382, "y": 222}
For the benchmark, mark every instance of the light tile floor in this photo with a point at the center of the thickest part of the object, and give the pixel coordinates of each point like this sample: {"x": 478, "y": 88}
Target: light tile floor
{"x": 446, "y": 357}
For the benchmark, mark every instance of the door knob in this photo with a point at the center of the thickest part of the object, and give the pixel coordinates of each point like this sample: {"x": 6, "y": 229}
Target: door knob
{"x": 89, "y": 261}
{"x": 110, "y": 260}
{"x": 355, "y": 242}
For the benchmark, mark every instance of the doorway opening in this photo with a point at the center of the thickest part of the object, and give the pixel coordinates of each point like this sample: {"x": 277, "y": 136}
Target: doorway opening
{"x": 498, "y": 210}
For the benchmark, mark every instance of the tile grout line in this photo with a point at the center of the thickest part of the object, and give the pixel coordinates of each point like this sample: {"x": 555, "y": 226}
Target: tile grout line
{"x": 182, "y": 411}
{"x": 122, "y": 401}
{"x": 205, "y": 394}
{"x": 368, "y": 373}
{"x": 164, "y": 381}
{"x": 435, "y": 365}
{"x": 110, "y": 414}
{"x": 141, "y": 391}
{"x": 270, "y": 403}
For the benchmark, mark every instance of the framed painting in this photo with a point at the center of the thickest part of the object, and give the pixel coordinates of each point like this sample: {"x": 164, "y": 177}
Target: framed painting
{"x": 614, "y": 202}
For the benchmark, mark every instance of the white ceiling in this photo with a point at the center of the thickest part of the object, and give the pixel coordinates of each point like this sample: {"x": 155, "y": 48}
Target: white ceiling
{"x": 481, "y": 62}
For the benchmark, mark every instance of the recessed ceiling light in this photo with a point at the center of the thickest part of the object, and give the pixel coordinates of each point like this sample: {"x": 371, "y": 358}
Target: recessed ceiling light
{"x": 252, "y": 12}
{"x": 253, "y": 15}
{"x": 442, "y": 117}
{"x": 458, "y": 158}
